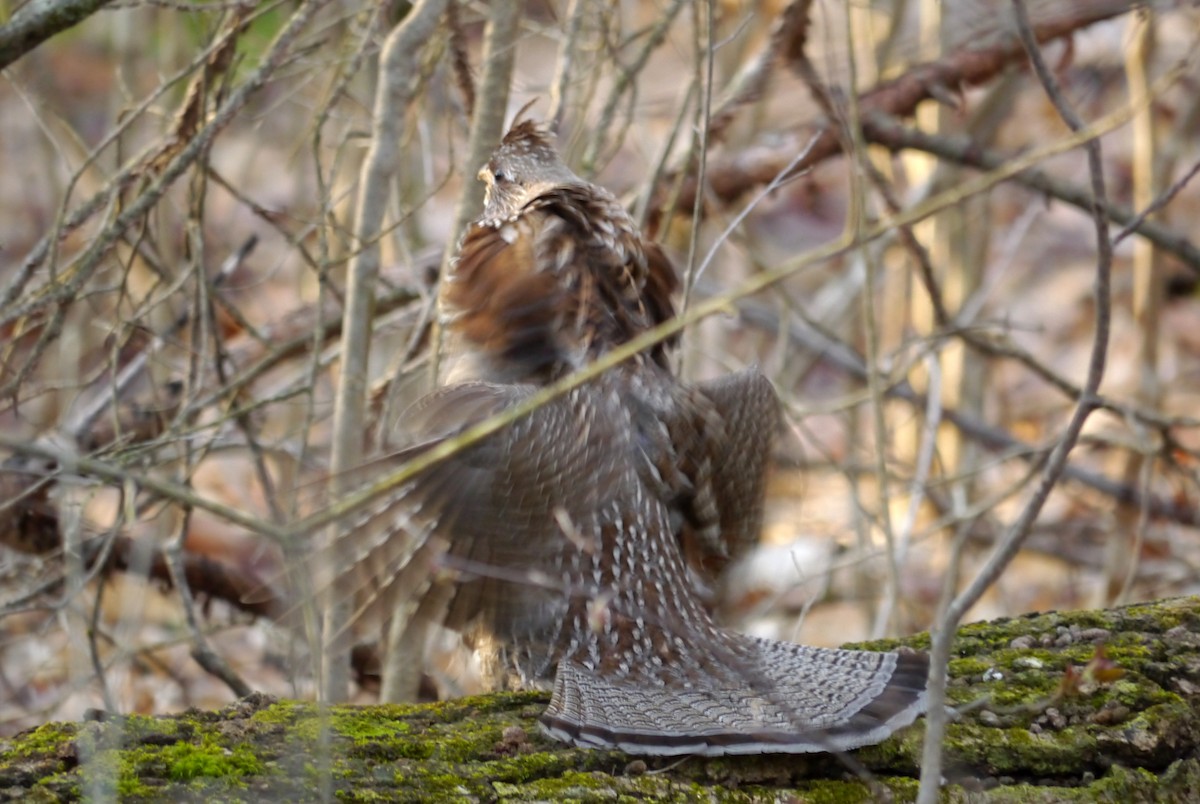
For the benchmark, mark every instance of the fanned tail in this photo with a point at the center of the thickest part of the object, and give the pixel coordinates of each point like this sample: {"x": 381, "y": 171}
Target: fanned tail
{"x": 792, "y": 699}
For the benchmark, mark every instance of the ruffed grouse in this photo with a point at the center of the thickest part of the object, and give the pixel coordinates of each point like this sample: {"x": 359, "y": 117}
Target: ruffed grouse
{"x": 587, "y": 537}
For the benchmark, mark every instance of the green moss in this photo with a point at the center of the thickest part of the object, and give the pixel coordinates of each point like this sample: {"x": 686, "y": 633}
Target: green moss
{"x": 139, "y": 726}
{"x": 436, "y": 749}
{"x": 844, "y": 792}
{"x": 578, "y": 786}
{"x": 104, "y": 774}
{"x": 360, "y": 724}
{"x": 1027, "y": 658}
{"x": 130, "y": 786}
{"x": 48, "y": 739}
{"x": 1165, "y": 617}
{"x": 584, "y": 787}
{"x": 375, "y": 726}
{"x": 188, "y": 761}
{"x": 917, "y": 641}
{"x": 1136, "y": 695}
{"x": 45, "y": 794}
{"x": 1016, "y": 751}
{"x": 463, "y": 749}
{"x": 1124, "y": 784}
{"x": 1126, "y": 652}
{"x": 439, "y": 787}
{"x": 282, "y": 713}
{"x": 363, "y": 796}
{"x": 971, "y": 667}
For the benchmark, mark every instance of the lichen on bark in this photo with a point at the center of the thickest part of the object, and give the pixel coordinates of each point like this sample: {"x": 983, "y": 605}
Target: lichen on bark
{"x": 1037, "y": 725}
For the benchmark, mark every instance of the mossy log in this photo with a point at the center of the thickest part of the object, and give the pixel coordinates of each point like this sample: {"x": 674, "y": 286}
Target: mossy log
{"x": 1049, "y": 717}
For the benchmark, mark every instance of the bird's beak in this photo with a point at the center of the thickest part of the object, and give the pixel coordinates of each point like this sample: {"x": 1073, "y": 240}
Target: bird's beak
{"x": 484, "y": 175}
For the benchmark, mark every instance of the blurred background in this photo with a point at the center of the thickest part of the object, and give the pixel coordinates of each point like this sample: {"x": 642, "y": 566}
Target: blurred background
{"x": 178, "y": 192}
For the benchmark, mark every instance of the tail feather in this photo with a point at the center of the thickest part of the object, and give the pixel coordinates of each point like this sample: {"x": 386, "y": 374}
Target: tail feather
{"x": 788, "y": 699}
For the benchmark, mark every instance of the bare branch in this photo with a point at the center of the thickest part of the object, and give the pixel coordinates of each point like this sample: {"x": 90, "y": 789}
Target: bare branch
{"x": 942, "y": 635}
{"x": 971, "y": 64}
{"x": 38, "y": 20}
{"x": 398, "y": 68}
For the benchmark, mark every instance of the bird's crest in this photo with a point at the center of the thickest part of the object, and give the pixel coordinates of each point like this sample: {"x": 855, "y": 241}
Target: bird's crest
{"x": 530, "y": 133}
{"x": 527, "y": 135}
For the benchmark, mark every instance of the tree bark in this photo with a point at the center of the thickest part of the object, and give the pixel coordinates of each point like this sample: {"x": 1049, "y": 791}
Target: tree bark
{"x": 1054, "y": 718}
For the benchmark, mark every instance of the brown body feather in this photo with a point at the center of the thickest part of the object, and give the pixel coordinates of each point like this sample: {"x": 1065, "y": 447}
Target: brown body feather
{"x": 555, "y": 284}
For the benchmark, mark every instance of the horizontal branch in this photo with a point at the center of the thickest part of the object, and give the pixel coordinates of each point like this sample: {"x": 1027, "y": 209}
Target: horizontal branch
{"x": 37, "y": 21}
{"x": 977, "y": 61}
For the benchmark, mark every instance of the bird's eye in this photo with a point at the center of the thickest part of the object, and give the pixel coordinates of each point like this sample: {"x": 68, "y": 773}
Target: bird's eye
{"x": 500, "y": 176}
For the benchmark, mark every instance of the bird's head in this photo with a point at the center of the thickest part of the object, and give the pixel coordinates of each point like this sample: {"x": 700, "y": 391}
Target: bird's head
{"x": 525, "y": 165}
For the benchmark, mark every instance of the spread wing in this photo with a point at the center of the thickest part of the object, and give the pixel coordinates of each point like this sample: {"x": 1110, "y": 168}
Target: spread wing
{"x": 722, "y": 431}
{"x": 496, "y": 518}
{"x": 748, "y": 409}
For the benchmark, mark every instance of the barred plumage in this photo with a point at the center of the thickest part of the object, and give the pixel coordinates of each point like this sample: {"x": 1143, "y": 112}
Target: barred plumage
{"x": 587, "y": 537}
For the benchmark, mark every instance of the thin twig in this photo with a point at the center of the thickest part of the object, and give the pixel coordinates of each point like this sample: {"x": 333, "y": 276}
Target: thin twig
{"x": 975, "y": 62}
{"x": 890, "y": 132}
{"x": 942, "y": 635}
{"x": 625, "y": 83}
{"x": 564, "y": 63}
{"x": 398, "y": 68}
{"x": 212, "y": 662}
{"x": 705, "y": 57}
{"x": 65, "y": 222}
{"x": 1139, "y": 224}
{"x": 37, "y": 21}
{"x": 788, "y": 36}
